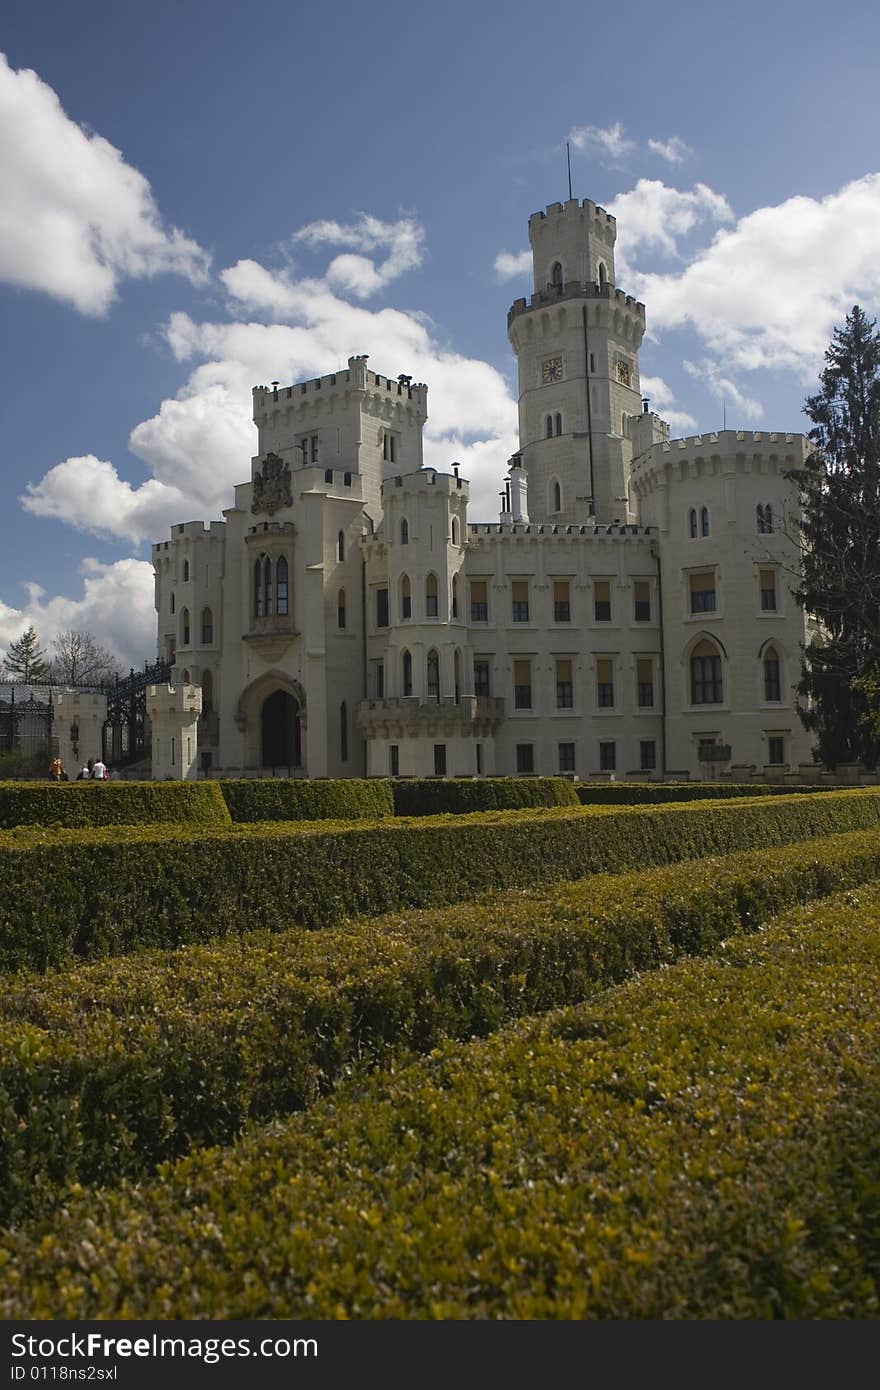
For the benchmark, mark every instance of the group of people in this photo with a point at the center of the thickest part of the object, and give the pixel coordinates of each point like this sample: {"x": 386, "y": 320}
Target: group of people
{"x": 94, "y": 770}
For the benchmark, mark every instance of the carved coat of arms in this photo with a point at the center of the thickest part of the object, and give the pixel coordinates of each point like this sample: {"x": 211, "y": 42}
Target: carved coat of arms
{"x": 272, "y": 486}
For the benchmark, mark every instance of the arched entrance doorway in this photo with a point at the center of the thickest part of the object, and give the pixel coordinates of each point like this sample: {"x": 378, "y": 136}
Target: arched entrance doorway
{"x": 280, "y": 736}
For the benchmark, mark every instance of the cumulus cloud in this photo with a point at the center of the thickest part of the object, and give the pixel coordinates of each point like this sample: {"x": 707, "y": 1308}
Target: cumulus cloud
{"x": 88, "y": 493}
{"x": 356, "y": 273}
{"x": 509, "y": 265}
{"x": 768, "y": 292}
{"x": 655, "y": 217}
{"x": 610, "y": 143}
{"x": 75, "y": 219}
{"x": 725, "y": 389}
{"x": 116, "y": 605}
{"x": 663, "y": 400}
{"x": 674, "y": 150}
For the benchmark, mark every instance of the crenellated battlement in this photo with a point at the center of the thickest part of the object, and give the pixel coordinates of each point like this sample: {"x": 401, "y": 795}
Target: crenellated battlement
{"x": 356, "y": 377}
{"x": 602, "y": 223}
{"x": 576, "y": 289}
{"x": 730, "y": 450}
{"x": 427, "y": 480}
{"x": 533, "y": 531}
{"x": 200, "y": 531}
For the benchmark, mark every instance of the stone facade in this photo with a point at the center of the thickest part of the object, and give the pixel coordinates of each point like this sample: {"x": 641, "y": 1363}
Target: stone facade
{"x": 630, "y": 614}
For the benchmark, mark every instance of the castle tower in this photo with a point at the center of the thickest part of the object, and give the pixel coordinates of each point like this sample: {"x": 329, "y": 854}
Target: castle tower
{"x": 577, "y": 343}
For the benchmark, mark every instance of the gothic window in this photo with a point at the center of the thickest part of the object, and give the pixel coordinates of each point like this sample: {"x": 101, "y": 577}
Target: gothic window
{"x": 171, "y": 602}
{"x": 706, "y": 682}
{"x": 185, "y": 571}
{"x": 207, "y": 627}
{"x": 558, "y": 423}
{"x": 704, "y": 521}
{"x": 340, "y": 546}
{"x": 340, "y": 609}
{"x": 259, "y": 606}
{"x": 456, "y": 672}
{"x": 692, "y": 523}
{"x": 268, "y": 595}
{"x": 602, "y": 275}
{"x": 207, "y": 692}
{"x": 455, "y": 531}
{"x": 455, "y": 596}
{"x": 405, "y": 597}
{"x": 772, "y": 680}
{"x": 406, "y": 664}
{"x": 281, "y": 590}
{"x": 557, "y": 495}
{"x": 556, "y": 274}
{"x": 765, "y": 519}
{"x": 404, "y": 532}
{"x": 549, "y": 426}
{"x": 432, "y": 601}
{"x": 186, "y": 677}
{"x": 433, "y": 674}
{"x": 184, "y": 628}
{"x": 343, "y": 732}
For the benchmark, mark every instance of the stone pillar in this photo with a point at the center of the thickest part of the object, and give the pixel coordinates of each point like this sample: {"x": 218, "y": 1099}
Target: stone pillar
{"x": 78, "y": 725}
{"x": 173, "y": 713}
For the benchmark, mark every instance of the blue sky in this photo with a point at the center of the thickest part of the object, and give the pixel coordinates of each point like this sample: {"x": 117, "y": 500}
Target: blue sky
{"x": 199, "y": 197}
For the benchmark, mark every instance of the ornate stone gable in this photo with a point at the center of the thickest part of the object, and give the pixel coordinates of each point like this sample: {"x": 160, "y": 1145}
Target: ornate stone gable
{"x": 272, "y": 486}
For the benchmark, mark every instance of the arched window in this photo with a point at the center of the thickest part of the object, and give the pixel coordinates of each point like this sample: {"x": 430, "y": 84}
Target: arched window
{"x": 171, "y": 602}
{"x": 602, "y": 276}
{"x": 432, "y": 602}
{"x": 259, "y": 600}
{"x": 549, "y": 423}
{"x": 268, "y": 594}
{"x": 706, "y": 683}
{"x": 455, "y": 596}
{"x": 557, "y": 495}
{"x": 558, "y": 423}
{"x": 433, "y": 674}
{"x": 406, "y": 666}
{"x": 207, "y": 692}
{"x": 692, "y": 523}
{"x": 772, "y": 676}
{"x": 405, "y": 597}
{"x": 592, "y": 362}
{"x": 343, "y": 732}
{"x": 340, "y": 546}
{"x": 456, "y": 532}
{"x": 404, "y": 532}
{"x": 184, "y": 628}
{"x": 185, "y": 677}
{"x": 185, "y": 571}
{"x": 207, "y": 627}
{"x": 704, "y": 521}
{"x": 281, "y": 590}
{"x": 765, "y": 519}
{"x": 340, "y": 609}
{"x": 457, "y": 675}
{"x": 556, "y": 274}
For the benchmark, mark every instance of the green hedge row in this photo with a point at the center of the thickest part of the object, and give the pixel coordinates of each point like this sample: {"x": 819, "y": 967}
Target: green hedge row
{"x": 658, "y": 793}
{"x": 438, "y": 796}
{"x": 108, "y": 1069}
{"x": 289, "y": 799}
{"x": 72, "y": 804}
{"x": 99, "y": 892}
{"x": 702, "y": 1142}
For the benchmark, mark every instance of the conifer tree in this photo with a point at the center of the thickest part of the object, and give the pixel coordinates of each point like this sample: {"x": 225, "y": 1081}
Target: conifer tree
{"x": 840, "y": 529}
{"x": 25, "y": 662}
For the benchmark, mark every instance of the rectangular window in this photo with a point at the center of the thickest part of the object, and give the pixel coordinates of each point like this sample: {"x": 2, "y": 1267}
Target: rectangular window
{"x": 602, "y": 600}
{"x": 439, "y": 759}
{"x": 776, "y": 750}
{"x": 172, "y": 752}
{"x": 768, "y": 591}
{"x": 406, "y": 606}
{"x": 645, "y": 681}
{"x": 313, "y": 444}
{"x": 564, "y": 683}
{"x": 607, "y": 757}
{"x": 482, "y": 676}
{"x": 561, "y": 601}
{"x": 605, "y": 682}
{"x": 702, "y": 587}
{"x": 772, "y": 682}
{"x": 522, "y": 685}
{"x": 706, "y": 688}
{"x": 479, "y": 600}
{"x": 380, "y": 680}
{"x": 525, "y": 757}
{"x": 566, "y": 757}
{"x": 389, "y": 447}
{"x": 394, "y": 760}
{"x": 647, "y": 755}
{"x": 479, "y": 750}
{"x": 519, "y": 593}
{"x": 642, "y": 600}
{"x": 381, "y": 607}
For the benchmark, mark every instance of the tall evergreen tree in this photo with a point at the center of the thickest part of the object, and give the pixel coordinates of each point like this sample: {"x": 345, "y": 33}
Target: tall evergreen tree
{"x": 25, "y": 661}
{"x": 840, "y": 499}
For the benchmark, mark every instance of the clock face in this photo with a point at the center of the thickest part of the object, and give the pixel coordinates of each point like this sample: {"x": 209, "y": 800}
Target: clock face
{"x": 552, "y": 369}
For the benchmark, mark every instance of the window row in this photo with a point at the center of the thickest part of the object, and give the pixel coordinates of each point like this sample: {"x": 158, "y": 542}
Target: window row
{"x": 566, "y": 756}
{"x": 206, "y": 629}
{"x": 521, "y": 601}
{"x": 606, "y": 689}
{"x": 454, "y": 531}
{"x": 703, "y": 591}
{"x": 707, "y": 676}
{"x": 698, "y": 521}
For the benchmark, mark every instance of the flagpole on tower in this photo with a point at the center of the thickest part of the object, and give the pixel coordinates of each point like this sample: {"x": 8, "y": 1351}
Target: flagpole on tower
{"x": 568, "y": 158}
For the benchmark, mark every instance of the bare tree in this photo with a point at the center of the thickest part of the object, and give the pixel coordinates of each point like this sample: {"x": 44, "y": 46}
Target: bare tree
{"x": 79, "y": 659}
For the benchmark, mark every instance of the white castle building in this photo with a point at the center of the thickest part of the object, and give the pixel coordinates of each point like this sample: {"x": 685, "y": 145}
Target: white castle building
{"x": 630, "y": 613}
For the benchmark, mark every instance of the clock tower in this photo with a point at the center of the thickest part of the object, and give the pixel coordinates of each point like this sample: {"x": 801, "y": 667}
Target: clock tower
{"x": 576, "y": 342}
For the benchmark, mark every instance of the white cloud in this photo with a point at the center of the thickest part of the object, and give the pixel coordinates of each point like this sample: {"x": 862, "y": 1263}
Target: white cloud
{"x": 608, "y": 142}
{"x": 746, "y": 409}
{"x": 356, "y": 273}
{"x": 116, "y": 605}
{"x": 75, "y": 219}
{"x": 768, "y": 292}
{"x": 663, "y": 400}
{"x": 510, "y": 264}
{"x": 674, "y": 150}
{"x": 653, "y": 216}
{"x": 88, "y": 493}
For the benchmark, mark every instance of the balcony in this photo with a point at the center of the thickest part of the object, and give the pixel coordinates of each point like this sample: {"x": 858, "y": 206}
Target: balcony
{"x": 414, "y": 716}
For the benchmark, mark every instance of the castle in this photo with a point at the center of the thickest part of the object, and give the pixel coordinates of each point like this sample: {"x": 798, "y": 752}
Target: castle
{"x": 630, "y": 613}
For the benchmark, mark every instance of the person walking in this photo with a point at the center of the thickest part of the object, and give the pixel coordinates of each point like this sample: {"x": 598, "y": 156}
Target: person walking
{"x": 99, "y": 771}
{"x": 85, "y": 772}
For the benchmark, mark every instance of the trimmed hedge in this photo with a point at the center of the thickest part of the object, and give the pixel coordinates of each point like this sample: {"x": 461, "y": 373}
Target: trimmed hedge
{"x": 99, "y": 892}
{"x": 291, "y": 799}
{"x": 72, "y": 804}
{"x": 437, "y": 796}
{"x": 107, "y": 1069}
{"x": 700, "y": 1143}
{"x": 659, "y": 793}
